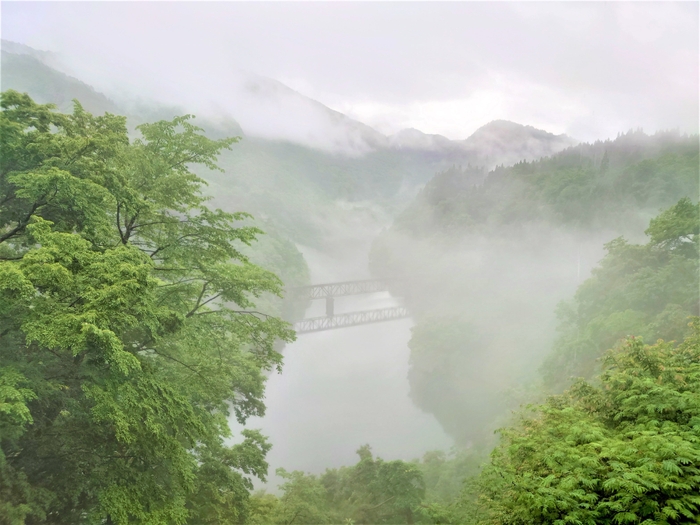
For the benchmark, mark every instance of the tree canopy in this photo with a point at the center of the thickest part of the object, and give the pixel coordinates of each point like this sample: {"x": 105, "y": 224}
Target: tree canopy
{"x": 646, "y": 290}
{"x": 623, "y": 450}
{"x": 128, "y": 326}
{"x": 373, "y": 491}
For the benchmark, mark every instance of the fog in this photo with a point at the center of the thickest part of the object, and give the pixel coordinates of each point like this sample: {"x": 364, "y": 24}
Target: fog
{"x": 350, "y": 114}
{"x": 500, "y": 293}
{"x": 268, "y": 109}
{"x": 340, "y": 389}
{"x": 585, "y": 69}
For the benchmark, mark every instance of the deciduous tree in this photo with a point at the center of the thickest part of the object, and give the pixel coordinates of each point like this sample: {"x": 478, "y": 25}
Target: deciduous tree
{"x": 128, "y": 330}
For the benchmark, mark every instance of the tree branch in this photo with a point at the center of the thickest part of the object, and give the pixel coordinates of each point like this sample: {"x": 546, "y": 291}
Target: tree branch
{"x": 190, "y": 368}
{"x": 199, "y": 300}
{"x": 22, "y": 223}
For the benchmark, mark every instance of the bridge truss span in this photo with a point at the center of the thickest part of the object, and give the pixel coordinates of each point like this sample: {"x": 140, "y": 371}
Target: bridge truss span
{"x": 317, "y": 324}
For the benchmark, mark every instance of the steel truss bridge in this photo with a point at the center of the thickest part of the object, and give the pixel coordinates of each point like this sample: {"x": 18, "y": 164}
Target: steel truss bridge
{"x": 332, "y": 320}
{"x": 317, "y": 324}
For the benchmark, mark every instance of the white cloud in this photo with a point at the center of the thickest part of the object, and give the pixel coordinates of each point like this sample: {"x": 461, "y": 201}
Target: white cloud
{"x": 589, "y": 69}
{"x": 501, "y": 98}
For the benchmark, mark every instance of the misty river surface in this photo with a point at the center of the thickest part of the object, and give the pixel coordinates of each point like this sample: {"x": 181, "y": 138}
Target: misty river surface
{"x": 340, "y": 389}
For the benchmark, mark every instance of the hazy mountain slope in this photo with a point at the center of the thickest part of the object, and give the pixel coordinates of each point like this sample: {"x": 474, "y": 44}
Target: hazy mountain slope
{"x": 505, "y": 142}
{"x": 266, "y": 108}
{"x": 486, "y": 263}
{"x": 28, "y": 74}
{"x": 326, "y": 156}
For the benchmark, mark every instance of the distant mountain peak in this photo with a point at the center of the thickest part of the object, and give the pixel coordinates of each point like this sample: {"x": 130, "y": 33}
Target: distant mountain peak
{"x": 507, "y": 128}
{"x": 497, "y": 142}
{"x": 268, "y": 108}
{"x": 510, "y": 142}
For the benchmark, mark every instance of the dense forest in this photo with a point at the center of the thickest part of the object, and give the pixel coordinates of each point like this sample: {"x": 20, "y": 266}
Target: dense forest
{"x": 135, "y": 319}
{"x": 486, "y": 264}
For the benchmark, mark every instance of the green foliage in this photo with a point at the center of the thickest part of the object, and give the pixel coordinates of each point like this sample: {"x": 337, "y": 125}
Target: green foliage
{"x": 647, "y": 290}
{"x": 304, "y": 500}
{"x": 129, "y": 334}
{"x": 677, "y": 228}
{"x": 623, "y": 451}
{"x": 373, "y": 491}
{"x": 485, "y": 258}
{"x": 612, "y": 183}
{"x": 280, "y": 255}
{"x": 263, "y": 508}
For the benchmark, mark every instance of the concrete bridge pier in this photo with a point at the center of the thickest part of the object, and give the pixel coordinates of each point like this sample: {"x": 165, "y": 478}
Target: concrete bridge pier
{"x": 329, "y": 306}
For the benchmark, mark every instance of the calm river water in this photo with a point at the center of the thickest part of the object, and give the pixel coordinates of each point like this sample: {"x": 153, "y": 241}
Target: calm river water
{"x": 343, "y": 388}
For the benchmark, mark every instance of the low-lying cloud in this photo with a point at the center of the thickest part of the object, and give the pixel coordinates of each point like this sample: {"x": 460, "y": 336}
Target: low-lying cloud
{"x": 588, "y": 70}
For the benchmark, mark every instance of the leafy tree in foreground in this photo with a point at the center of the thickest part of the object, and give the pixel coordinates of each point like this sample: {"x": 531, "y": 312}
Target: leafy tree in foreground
{"x": 624, "y": 451}
{"x": 127, "y": 329}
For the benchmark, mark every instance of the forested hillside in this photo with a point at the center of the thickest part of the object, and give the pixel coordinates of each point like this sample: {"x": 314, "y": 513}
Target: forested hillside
{"x": 484, "y": 265}
{"x": 645, "y": 290}
{"x": 618, "y": 447}
{"x": 617, "y": 184}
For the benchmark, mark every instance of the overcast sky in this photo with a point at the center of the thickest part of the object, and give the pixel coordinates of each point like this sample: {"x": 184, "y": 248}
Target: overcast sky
{"x": 586, "y": 69}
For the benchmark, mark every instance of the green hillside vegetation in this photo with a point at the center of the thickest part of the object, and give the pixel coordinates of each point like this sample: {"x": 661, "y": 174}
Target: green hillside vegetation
{"x": 485, "y": 264}
{"x": 619, "y": 447}
{"x": 646, "y": 290}
{"x": 373, "y": 491}
{"x": 622, "y": 449}
{"x": 129, "y": 328}
{"x": 616, "y": 184}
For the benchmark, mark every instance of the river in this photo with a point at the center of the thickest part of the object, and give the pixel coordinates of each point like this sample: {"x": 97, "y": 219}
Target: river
{"x": 343, "y": 388}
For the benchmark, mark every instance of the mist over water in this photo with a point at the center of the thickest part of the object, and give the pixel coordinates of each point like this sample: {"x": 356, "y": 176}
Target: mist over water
{"x": 344, "y": 388}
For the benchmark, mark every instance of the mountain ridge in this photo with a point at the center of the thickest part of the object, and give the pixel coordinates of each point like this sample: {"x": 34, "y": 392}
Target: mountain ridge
{"x": 280, "y": 176}
{"x": 263, "y": 103}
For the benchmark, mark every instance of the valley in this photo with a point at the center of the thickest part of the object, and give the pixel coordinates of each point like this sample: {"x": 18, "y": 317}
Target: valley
{"x": 544, "y": 368}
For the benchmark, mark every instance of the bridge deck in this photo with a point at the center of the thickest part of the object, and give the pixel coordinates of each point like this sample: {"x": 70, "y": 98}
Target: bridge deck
{"x": 317, "y": 324}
